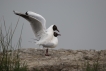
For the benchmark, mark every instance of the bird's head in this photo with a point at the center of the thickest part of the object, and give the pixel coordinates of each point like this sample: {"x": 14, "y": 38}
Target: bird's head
{"x": 55, "y": 28}
{"x": 56, "y": 34}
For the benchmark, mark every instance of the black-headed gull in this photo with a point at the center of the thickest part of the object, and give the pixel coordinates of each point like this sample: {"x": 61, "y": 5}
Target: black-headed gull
{"x": 38, "y": 24}
{"x": 49, "y": 44}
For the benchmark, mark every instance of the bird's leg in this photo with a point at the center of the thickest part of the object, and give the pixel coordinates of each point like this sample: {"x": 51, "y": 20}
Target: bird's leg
{"x": 47, "y": 52}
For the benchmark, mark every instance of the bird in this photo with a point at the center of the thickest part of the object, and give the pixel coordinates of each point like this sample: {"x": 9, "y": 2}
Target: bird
{"x": 52, "y": 43}
{"x": 38, "y": 24}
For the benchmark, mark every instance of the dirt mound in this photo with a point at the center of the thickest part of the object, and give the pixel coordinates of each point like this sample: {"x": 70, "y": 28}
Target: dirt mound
{"x": 61, "y": 59}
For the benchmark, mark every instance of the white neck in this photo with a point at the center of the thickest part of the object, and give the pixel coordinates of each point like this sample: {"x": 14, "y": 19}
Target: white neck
{"x": 50, "y": 28}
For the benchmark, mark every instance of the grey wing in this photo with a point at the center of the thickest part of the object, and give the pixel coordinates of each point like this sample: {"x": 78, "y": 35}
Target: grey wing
{"x": 36, "y": 25}
{"x": 38, "y": 17}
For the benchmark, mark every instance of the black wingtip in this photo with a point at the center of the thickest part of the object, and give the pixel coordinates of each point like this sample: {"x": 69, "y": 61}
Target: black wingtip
{"x": 15, "y": 12}
{"x": 26, "y": 13}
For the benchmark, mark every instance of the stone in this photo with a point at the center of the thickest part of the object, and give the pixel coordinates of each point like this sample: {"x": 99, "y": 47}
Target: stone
{"x": 59, "y": 60}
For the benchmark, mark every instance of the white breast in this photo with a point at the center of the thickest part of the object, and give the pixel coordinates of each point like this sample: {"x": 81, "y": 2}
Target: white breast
{"x": 54, "y": 41}
{"x": 46, "y": 38}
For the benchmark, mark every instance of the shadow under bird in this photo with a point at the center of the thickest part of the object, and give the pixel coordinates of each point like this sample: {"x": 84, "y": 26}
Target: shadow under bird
{"x": 45, "y": 37}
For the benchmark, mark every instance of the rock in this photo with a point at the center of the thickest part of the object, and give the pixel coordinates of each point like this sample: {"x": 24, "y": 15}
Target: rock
{"x": 59, "y": 60}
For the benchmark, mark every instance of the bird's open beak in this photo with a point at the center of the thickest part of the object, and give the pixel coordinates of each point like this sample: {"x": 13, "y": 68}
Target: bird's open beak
{"x": 59, "y": 34}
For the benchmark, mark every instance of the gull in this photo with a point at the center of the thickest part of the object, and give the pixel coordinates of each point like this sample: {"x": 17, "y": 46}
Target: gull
{"x": 52, "y": 43}
{"x": 38, "y": 23}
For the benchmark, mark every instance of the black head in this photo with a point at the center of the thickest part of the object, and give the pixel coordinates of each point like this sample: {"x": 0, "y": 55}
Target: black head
{"x": 55, "y": 28}
{"x": 56, "y": 34}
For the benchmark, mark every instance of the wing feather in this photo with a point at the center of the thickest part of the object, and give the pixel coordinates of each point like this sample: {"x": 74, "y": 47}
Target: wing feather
{"x": 37, "y": 25}
{"x": 38, "y": 17}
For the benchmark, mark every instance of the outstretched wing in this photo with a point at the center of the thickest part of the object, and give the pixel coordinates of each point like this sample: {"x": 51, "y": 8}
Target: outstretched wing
{"x": 38, "y": 17}
{"x": 36, "y": 21}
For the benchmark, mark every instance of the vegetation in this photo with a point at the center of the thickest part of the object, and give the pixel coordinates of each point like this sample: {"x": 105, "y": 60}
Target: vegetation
{"x": 9, "y": 57}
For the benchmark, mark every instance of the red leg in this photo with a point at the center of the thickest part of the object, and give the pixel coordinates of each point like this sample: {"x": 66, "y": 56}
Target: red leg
{"x": 47, "y": 52}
